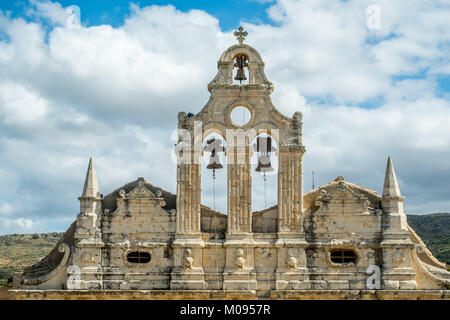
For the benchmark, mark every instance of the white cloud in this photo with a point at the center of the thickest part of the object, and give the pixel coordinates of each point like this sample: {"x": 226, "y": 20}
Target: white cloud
{"x": 19, "y": 225}
{"x": 52, "y": 11}
{"x": 114, "y": 94}
{"x": 5, "y": 208}
{"x": 21, "y": 106}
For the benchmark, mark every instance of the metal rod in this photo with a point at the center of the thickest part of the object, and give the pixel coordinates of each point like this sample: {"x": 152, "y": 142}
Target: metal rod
{"x": 214, "y": 189}
{"x": 265, "y": 193}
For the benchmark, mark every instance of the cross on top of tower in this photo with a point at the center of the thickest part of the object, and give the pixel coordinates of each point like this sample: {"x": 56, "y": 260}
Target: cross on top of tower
{"x": 240, "y": 35}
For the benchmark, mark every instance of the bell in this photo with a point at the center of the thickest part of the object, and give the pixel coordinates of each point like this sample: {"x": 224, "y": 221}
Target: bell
{"x": 264, "y": 147}
{"x": 264, "y": 164}
{"x": 214, "y": 162}
{"x": 241, "y": 63}
{"x": 214, "y": 146}
{"x": 240, "y": 75}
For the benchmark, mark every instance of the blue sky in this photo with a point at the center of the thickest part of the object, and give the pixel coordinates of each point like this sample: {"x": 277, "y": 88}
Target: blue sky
{"x": 112, "y": 86}
{"x": 113, "y": 12}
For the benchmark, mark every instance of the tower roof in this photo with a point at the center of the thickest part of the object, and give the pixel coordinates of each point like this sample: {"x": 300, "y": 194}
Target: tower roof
{"x": 90, "y": 184}
{"x": 390, "y": 188}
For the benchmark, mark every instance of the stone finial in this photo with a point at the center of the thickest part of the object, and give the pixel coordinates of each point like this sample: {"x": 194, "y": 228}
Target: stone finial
{"x": 298, "y": 116}
{"x": 240, "y": 35}
{"x": 390, "y": 188}
{"x": 90, "y": 184}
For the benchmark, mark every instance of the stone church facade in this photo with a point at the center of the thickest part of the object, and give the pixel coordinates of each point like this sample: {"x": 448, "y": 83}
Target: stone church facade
{"x": 337, "y": 241}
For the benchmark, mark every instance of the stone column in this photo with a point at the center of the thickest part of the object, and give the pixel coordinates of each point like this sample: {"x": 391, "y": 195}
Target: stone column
{"x": 290, "y": 181}
{"x": 188, "y": 199}
{"x": 187, "y": 272}
{"x": 291, "y": 272}
{"x": 239, "y": 245}
{"x": 239, "y": 192}
{"x": 290, "y": 190}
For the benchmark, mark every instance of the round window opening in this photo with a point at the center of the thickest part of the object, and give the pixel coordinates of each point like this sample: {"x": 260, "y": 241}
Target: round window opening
{"x": 240, "y": 116}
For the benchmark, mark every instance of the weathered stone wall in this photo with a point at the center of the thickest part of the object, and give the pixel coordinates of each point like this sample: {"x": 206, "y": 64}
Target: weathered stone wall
{"x": 139, "y": 224}
{"x": 231, "y": 295}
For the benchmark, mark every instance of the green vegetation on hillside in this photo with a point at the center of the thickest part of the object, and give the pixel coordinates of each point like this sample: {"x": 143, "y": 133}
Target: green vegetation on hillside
{"x": 434, "y": 230}
{"x": 20, "y": 250}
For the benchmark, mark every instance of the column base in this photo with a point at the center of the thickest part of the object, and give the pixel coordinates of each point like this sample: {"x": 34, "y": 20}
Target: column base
{"x": 240, "y": 280}
{"x": 292, "y": 279}
{"x": 188, "y": 240}
{"x": 188, "y": 280}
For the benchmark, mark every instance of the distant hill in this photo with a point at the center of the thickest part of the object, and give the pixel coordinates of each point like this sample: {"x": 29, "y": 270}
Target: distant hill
{"x": 434, "y": 229}
{"x": 20, "y": 250}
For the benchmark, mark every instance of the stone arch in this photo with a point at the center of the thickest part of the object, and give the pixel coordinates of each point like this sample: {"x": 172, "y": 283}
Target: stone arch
{"x": 255, "y": 67}
{"x": 213, "y": 193}
{"x": 270, "y": 128}
{"x": 214, "y": 127}
{"x": 262, "y": 183}
{"x": 231, "y": 53}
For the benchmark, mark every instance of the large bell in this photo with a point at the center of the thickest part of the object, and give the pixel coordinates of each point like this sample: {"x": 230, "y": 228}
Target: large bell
{"x": 214, "y": 146}
{"x": 264, "y": 164}
{"x": 214, "y": 162}
{"x": 264, "y": 147}
{"x": 240, "y": 75}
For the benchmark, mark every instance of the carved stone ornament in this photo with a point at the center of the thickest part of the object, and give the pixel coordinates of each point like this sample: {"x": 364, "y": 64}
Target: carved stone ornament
{"x": 292, "y": 261}
{"x": 342, "y": 188}
{"x": 188, "y": 259}
{"x": 240, "y": 260}
{"x": 140, "y": 191}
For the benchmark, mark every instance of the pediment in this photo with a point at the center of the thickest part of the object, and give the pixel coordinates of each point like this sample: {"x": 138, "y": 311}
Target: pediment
{"x": 139, "y": 192}
{"x": 340, "y": 190}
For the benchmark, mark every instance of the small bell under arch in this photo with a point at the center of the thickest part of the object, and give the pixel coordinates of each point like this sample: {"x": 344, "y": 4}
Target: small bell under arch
{"x": 241, "y": 63}
{"x": 264, "y": 147}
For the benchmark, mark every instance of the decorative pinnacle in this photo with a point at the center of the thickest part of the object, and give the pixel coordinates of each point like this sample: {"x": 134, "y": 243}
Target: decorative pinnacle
{"x": 240, "y": 35}
{"x": 390, "y": 188}
{"x": 91, "y": 185}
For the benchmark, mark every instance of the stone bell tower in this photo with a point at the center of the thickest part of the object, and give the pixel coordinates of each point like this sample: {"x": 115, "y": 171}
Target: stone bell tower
{"x": 255, "y": 96}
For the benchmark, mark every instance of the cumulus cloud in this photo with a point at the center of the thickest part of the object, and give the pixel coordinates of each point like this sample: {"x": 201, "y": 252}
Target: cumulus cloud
{"x": 114, "y": 92}
{"x": 52, "y": 11}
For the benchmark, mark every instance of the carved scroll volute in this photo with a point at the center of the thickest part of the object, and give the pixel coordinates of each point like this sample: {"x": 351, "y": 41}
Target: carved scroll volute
{"x": 321, "y": 200}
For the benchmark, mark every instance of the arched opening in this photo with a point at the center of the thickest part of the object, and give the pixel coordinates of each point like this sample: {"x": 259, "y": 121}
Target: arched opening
{"x": 240, "y": 73}
{"x": 214, "y": 173}
{"x": 264, "y": 182}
